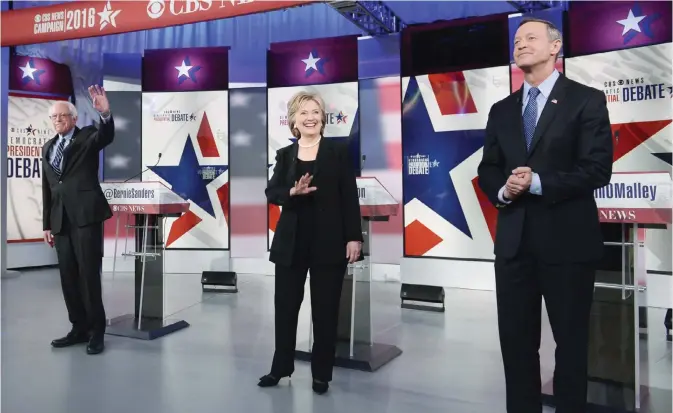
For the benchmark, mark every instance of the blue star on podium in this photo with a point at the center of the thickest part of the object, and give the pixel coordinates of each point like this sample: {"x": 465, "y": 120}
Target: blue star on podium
{"x": 189, "y": 179}
{"x": 446, "y": 150}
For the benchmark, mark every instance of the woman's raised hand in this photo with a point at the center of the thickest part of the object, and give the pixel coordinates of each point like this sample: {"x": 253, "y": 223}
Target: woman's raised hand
{"x": 301, "y": 187}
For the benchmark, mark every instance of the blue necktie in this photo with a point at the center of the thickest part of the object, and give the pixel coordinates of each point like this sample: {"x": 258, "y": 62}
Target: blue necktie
{"x": 530, "y": 116}
{"x": 56, "y": 164}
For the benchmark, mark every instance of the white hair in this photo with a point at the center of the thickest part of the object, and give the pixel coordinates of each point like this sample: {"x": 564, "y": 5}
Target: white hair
{"x": 71, "y": 108}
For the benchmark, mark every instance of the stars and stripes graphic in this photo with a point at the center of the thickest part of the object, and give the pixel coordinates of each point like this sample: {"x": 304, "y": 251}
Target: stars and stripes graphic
{"x": 190, "y": 130}
{"x": 443, "y": 121}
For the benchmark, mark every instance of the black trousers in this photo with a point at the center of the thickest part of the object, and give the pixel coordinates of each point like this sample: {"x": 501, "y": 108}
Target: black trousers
{"x": 521, "y": 283}
{"x": 80, "y": 255}
{"x": 326, "y": 283}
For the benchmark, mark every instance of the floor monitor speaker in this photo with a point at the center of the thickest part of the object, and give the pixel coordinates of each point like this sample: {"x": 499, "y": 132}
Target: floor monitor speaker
{"x": 219, "y": 282}
{"x": 422, "y": 297}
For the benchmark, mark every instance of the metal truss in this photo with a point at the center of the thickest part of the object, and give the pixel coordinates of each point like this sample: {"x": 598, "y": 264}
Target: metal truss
{"x": 374, "y": 17}
{"x": 529, "y": 6}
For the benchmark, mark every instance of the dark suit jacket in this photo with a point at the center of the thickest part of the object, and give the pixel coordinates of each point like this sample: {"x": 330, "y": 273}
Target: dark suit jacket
{"x": 337, "y": 215}
{"x": 571, "y": 152}
{"x": 77, "y": 192}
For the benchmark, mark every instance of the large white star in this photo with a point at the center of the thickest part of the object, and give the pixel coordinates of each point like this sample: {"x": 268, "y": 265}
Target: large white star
{"x": 107, "y": 16}
{"x": 631, "y": 22}
{"x": 310, "y": 62}
{"x": 27, "y": 71}
{"x": 183, "y": 70}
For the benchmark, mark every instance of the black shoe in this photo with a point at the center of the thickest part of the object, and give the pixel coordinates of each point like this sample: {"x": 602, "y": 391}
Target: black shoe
{"x": 71, "y": 339}
{"x": 320, "y": 387}
{"x": 96, "y": 344}
{"x": 270, "y": 380}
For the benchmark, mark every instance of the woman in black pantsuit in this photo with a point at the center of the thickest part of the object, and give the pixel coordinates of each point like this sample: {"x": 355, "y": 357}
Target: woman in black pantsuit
{"x": 318, "y": 229}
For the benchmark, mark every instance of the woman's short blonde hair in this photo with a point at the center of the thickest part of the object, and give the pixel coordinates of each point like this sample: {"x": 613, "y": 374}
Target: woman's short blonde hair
{"x": 297, "y": 101}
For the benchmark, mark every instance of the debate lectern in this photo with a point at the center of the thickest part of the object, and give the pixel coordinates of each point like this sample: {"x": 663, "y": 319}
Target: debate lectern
{"x": 355, "y": 346}
{"x": 623, "y": 348}
{"x": 150, "y": 203}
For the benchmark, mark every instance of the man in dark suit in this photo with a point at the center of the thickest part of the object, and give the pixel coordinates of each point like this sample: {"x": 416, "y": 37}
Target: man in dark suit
{"x": 548, "y": 147}
{"x": 74, "y": 209}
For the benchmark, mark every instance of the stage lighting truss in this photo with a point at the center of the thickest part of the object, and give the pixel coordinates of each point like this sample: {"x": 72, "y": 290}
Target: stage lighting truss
{"x": 529, "y": 6}
{"x": 374, "y": 17}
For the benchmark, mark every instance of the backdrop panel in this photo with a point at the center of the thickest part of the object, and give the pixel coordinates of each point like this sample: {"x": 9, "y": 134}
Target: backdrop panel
{"x": 446, "y": 101}
{"x": 597, "y": 26}
{"x": 555, "y": 16}
{"x": 122, "y": 160}
{"x": 328, "y": 67}
{"x": 185, "y": 141}
{"x": 35, "y": 85}
{"x": 29, "y": 129}
{"x": 637, "y": 83}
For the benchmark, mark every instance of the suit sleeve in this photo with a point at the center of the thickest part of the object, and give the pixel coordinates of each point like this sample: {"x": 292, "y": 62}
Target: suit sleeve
{"x": 350, "y": 201}
{"x": 277, "y": 192}
{"x": 490, "y": 170}
{"x": 105, "y": 134}
{"x": 46, "y": 201}
{"x": 593, "y": 167}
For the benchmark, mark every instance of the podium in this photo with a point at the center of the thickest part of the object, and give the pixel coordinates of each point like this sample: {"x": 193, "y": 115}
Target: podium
{"x": 619, "y": 369}
{"x": 355, "y": 347}
{"x": 150, "y": 203}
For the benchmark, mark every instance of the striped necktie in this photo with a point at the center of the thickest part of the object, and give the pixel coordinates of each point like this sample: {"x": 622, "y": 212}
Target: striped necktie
{"x": 56, "y": 164}
{"x": 530, "y": 116}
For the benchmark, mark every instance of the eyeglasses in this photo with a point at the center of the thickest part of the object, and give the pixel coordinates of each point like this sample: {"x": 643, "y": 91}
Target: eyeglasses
{"x": 59, "y": 115}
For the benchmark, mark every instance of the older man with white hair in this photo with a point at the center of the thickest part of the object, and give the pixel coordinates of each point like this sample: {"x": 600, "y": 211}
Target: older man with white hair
{"x": 74, "y": 209}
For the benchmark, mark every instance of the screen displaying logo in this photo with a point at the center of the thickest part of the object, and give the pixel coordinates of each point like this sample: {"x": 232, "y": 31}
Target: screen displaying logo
{"x": 170, "y": 115}
{"x": 420, "y": 164}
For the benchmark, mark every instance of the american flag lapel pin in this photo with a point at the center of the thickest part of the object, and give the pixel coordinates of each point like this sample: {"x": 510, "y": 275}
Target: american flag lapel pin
{"x": 554, "y": 101}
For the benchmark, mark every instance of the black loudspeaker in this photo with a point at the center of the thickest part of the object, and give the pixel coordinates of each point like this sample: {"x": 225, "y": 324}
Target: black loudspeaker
{"x": 422, "y": 297}
{"x": 219, "y": 282}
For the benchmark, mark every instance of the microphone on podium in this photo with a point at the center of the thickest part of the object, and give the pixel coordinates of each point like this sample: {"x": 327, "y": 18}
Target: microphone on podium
{"x": 145, "y": 170}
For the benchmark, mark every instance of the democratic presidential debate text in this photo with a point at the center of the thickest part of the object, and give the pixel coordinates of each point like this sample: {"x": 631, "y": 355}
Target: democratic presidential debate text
{"x": 24, "y": 153}
{"x": 636, "y": 90}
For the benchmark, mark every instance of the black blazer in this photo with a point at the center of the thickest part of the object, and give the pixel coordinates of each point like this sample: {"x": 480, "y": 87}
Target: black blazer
{"x": 571, "y": 152}
{"x": 77, "y": 192}
{"x": 337, "y": 215}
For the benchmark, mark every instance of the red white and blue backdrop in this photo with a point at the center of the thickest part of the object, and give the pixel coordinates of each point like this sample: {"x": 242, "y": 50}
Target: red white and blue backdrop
{"x": 35, "y": 85}
{"x": 328, "y": 67}
{"x": 622, "y": 48}
{"x": 625, "y": 50}
{"x": 448, "y": 88}
{"x": 185, "y": 140}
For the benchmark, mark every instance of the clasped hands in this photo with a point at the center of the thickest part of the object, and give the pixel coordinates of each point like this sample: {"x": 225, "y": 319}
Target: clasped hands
{"x": 302, "y": 187}
{"x": 518, "y": 182}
